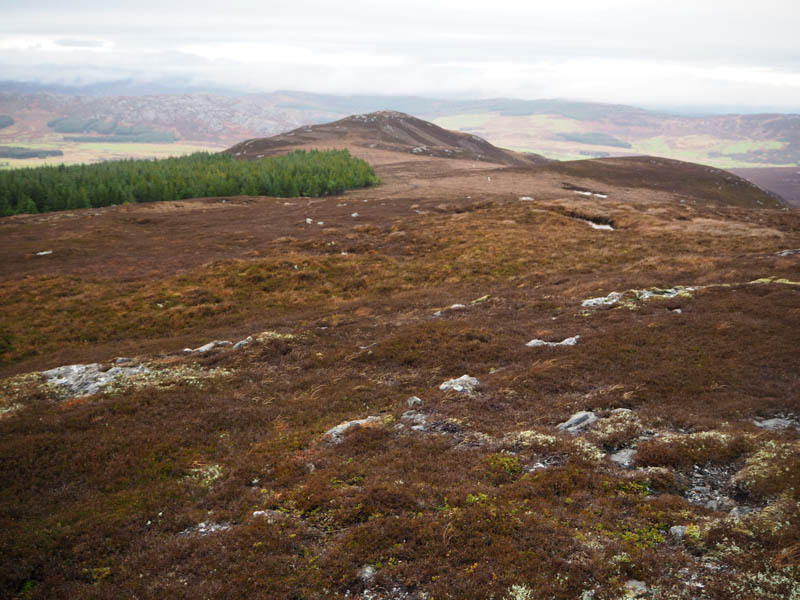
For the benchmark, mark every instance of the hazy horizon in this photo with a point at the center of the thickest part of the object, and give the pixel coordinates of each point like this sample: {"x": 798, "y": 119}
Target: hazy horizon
{"x": 703, "y": 57}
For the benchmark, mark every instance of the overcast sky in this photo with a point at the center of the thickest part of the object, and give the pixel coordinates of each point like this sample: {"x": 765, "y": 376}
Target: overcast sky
{"x": 700, "y": 52}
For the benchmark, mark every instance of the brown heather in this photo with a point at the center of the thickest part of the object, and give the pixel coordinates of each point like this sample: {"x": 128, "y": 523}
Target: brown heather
{"x": 95, "y": 491}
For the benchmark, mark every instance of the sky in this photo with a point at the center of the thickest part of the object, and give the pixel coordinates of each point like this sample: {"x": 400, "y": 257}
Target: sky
{"x": 655, "y": 54}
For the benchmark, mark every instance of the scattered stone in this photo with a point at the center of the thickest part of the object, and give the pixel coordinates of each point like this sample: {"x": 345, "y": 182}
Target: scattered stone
{"x": 578, "y": 421}
{"x": 414, "y": 401}
{"x": 526, "y": 198}
{"x": 602, "y": 226}
{"x": 335, "y": 434}
{"x": 677, "y": 531}
{"x": 242, "y": 343}
{"x": 481, "y": 299}
{"x": 367, "y": 573}
{"x": 774, "y": 424}
{"x": 630, "y": 298}
{"x": 570, "y": 341}
{"x": 463, "y": 385}
{"x": 609, "y": 300}
{"x": 788, "y": 252}
{"x": 121, "y": 360}
{"x": 418, "y": 419}
{"x": 205, "y": 529}
{"x": 636, "y": 589}
{"x": 740, "y": 511}
{"x": 44, "y": 253}
{"x": 271, "y": 516}
{"x": 207, "y": 347}
{"x": 457, "y": 307}
{"x": 85, "y": 380}
{"x": 624, "y": 457}
{"x": 309, "y": 221}
{"x": 355, "y": 214}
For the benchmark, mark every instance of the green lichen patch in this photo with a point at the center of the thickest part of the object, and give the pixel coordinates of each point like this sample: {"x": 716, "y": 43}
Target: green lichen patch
{"x": 772, "y": 469}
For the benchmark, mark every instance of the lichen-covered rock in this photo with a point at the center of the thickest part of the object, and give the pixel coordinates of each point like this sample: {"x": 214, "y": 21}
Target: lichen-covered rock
{"x": 205, "y": 528}
{"x": 570, "y": 341}
{"x": 578, "y": 421}
{"x": 85, "y": 380}
{"x": 334, "y": 434}
{"x": 463, "y": 385}
{"x": 624, "y": 458}
{"x": 773, "y": 424}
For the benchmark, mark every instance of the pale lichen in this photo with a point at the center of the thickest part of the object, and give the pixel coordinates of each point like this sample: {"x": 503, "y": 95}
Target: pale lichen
{"x": 769, "y": 469}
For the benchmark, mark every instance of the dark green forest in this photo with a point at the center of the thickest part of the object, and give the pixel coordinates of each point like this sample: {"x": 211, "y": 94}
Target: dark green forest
{"x": 6, "y": 121}
{"x": 299, "y": 173}
{"x": 20, "y": 152}
{"x": 110, "y": 131}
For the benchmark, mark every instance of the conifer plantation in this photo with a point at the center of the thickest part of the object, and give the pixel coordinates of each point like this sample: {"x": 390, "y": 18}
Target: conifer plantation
{"x": 300, "y": 173}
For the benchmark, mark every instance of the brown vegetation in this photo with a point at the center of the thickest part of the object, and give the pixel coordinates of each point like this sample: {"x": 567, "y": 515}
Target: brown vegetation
{"x": 101, "y": 496}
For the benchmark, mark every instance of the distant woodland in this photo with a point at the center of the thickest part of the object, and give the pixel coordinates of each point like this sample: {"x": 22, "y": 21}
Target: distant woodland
{"x": 6, "y": 121}
{"x": 300, "y": 173}
{"x": 109, "y": 131}
{"x": 19, "y": 152}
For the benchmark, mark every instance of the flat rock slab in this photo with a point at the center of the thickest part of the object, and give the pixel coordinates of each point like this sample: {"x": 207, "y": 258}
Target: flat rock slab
{"x": 85, "y": 380}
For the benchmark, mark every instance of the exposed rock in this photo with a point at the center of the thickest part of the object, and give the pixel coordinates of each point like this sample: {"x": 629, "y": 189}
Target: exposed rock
{"x": 578, "y": 421}
{"x": 205, "y": 529}
{"x": 81, "y": 380}
{"x": 463, "y": 385}
{"x": 630, "y": 298}
{"x": 624, "y": 457}
{"x": 570, "y": 341}
{"x": 335, "y": 434}
{"x": 788, "y": 252}
{"x": 242, "y": 343}
{"x": 740, "y": 511}
{"x": 367, "y": 573}
{"x": 271, "y": 516}
{"x": 44, "y": 253}
{"x": 418, "y": 419}
{"x": 774, "y": 424}
{"x": 677, "y": 531}
{"x": 414, "y": 401}
{"x": 211, "y": 345}
{"x": 636, "y": 589}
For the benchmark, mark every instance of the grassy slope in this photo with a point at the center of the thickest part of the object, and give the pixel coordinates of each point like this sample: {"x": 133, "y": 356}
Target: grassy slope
{"x": 95, "y": 491}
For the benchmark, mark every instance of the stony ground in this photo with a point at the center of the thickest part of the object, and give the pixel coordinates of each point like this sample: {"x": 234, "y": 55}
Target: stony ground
{"x": 628, "y": 425}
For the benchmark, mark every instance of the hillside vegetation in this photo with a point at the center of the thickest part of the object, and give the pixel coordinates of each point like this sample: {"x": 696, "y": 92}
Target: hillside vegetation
{"x": 299, "y": 173}
{"x": 474, "y": 381}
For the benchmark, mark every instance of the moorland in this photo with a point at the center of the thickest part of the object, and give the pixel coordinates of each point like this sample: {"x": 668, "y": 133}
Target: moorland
{"x": 490, "y": 376}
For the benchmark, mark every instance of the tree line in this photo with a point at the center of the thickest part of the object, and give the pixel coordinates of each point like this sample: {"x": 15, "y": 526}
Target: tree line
{"x": 299, "y": 173}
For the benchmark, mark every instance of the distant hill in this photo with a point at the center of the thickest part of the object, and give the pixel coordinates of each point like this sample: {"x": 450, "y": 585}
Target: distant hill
{"x": 390, "y": 130}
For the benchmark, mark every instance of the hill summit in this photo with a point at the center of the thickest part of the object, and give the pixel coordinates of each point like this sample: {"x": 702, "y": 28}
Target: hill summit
{"x": 391, "y": 130}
